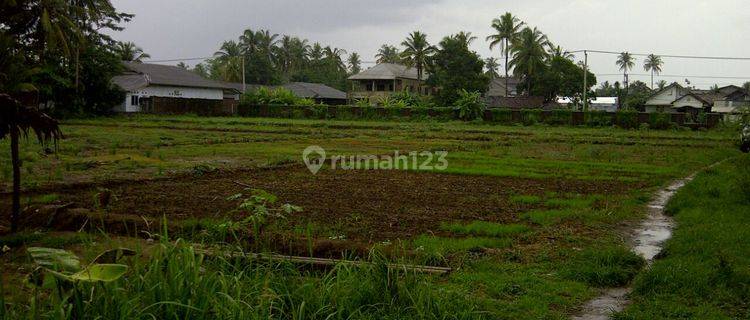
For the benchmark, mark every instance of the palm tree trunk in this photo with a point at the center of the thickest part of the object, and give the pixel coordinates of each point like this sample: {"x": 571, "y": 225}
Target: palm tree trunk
{"x": 419, "y": 80}
{"x": 652, "y": 79}
{"x": 16, "y": 162}
{"x": 506, "y": 68}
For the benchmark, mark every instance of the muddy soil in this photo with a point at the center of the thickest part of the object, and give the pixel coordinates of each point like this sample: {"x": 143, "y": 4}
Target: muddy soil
{"x": 364, "y": 205}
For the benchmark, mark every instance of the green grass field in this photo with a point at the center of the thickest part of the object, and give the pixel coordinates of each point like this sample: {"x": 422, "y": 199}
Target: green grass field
{"x": 531, "y": 219}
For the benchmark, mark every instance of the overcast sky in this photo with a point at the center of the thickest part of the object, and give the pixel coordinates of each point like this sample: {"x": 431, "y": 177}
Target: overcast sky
{"x": 171, "y": 29}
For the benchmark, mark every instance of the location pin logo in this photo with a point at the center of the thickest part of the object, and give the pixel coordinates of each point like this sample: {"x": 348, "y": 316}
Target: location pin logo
{"x": 314, "y": 157}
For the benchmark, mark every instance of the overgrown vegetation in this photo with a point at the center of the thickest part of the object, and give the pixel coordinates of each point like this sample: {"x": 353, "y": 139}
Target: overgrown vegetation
{"x": 704, "y": 271}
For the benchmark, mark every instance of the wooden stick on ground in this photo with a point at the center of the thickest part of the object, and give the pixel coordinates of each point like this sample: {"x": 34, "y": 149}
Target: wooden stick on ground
{"x": 324, "y": 261}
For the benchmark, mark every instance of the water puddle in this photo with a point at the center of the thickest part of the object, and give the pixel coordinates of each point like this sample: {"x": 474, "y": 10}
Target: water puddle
{"x": 647, "y": 241}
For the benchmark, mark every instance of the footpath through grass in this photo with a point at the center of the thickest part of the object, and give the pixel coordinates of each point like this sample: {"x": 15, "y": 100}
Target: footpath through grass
{"x": 705, "y": 270}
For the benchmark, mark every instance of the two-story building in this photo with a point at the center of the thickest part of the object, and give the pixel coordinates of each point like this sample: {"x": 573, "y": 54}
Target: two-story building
{"x": 385, "y": 79}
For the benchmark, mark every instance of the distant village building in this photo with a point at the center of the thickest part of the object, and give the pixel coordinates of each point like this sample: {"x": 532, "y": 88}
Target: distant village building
{"x": 676, "y": 98}
{"x": 385, "y": 79}
{"x": 155, "y": 88}
{"x": 606, "y": 104}
{"x": 497, "y": 87}
{"x": 318, "y": 92}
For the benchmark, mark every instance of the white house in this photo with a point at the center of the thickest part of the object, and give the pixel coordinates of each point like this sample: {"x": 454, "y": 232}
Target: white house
{"x": 676, "y": 98}
{"x": 154, "y": 87}
{"x": 608, "y": 104}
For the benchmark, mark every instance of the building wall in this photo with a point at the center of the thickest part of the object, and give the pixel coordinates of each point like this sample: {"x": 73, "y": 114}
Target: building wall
{"x": 167, "y": 92}
{"x": 378, "y": 89}
{"x": 688, "y": 101}
{"x": 666, "y": 97}
{"x": 727, "y": 106}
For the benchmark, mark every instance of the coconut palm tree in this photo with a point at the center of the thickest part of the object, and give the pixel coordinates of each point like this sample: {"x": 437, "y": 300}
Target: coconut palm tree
{"x": 465, "y": 37}
{"x": 388, "y": 54}
{"x": 529, "y": 55}
{"x": 653, "y": 63}
{"x": 416, "y": 53}
{"x": 334, "y": 56}
{"x": 661, "y": 84}
{"x": 128, "y": 51}
{"x": 626, "y": 62}
{"x": 557, "y": 51}
{"x": 15, "y": 121}
{"x": 230, "y": 61}
{"x": 491, "y": 65}
{"x": 507, "y": 28}
{"x": 355, "y": 63}
{"x": 316, "y": 52}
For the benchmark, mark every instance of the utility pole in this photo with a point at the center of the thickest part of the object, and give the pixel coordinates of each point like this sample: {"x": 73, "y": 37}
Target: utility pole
{"x": 244, "y": 86}
{"x": 585, "y": 79}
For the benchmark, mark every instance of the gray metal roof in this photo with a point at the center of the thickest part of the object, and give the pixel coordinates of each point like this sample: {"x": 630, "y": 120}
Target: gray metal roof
{"x": 130, "y": 82}
{"x": 314, "y": 90}
{"x": 388, "y": 71}
{"x": 157, "y": 74}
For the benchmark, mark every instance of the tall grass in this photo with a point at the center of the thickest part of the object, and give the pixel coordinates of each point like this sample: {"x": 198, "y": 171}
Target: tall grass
{"x": 177, "y": 283}
{"x": 705, "y": 270}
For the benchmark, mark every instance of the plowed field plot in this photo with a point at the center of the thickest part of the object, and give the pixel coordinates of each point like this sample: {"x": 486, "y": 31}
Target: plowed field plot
{"x": 531, "y": 219}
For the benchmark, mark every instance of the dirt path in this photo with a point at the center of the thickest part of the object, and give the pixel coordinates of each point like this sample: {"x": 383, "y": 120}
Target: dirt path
{"x": 648, "y": 240}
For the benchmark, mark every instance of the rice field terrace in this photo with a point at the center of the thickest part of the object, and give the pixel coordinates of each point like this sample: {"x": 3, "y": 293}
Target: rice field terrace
{"x": 532, "y": 221}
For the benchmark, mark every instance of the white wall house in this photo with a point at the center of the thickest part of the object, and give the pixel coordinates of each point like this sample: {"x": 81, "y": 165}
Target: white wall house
{"x": 675, "y": 98}
{"x": 607, "y": 104}
{"x": 143, "y": 81}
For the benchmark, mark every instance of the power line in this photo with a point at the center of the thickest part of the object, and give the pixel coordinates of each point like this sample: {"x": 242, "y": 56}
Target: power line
{"x": 665, "y": 55}
{"x": 673, "y": 76}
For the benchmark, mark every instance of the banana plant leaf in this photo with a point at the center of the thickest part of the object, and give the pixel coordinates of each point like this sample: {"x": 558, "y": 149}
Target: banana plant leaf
{"x": 55, "y": 259}
{"x": 100, "y": 272}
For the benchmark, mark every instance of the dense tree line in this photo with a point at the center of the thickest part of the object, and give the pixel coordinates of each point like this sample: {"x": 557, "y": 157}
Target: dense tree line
{"x": 55, "y": 52}
{"x": 271, "y": 59}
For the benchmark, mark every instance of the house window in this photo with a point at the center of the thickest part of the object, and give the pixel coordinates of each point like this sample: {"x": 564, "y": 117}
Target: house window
{"x": 134, "y": 100}
{"x": 381, "y": 87}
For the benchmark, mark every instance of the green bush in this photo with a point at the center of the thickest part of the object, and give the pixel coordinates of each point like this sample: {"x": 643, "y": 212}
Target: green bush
{"x": 530, "y": 117}
{"x": 470, "y": 105}
{"x": 660, "y": 120}
{"x": 598, "y": 119}
{"x": 560, "y": 117}
{"x": 501, "y": 115}
{"x": 627, "y": 119}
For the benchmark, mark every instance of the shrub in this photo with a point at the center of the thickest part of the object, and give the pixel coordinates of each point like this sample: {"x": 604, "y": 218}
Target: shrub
{"x": 501, "y": 115}
{"x": 598, "y": 119}
{"x": 604, "y": 267}
{"x": 560, "y": 117}
{"x": 531, "y": 117}
{"x": 660, "y": 120}
{"x": 627, "y": 119}
{"x": 470, "y": 105}
{"x": 277, "y": 96}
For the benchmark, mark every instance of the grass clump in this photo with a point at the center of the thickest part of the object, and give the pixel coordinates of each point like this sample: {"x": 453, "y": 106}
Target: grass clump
{"x": 604, "y": 267}
{"x": 177, "y": 283}
{"x": 438, "y": 247}
{"x": 551, "y": 217}
{"x": 526, "y": 199}
{"x": 483, "y": 228}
